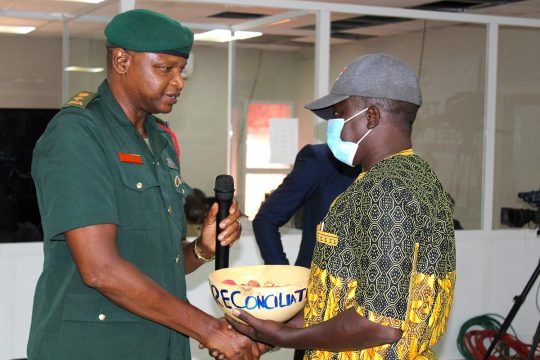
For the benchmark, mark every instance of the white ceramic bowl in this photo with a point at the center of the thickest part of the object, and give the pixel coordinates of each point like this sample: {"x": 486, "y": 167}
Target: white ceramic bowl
{"x": 281, "y": 293}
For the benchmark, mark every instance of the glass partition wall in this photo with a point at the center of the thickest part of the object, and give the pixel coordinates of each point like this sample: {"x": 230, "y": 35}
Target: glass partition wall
{"x": 230, "y": 82}
{"x": 517, "y": 168}
{"x": 30, "y": 95}
{"x": 86, "y": 68}
{"x": 454, "y": 131}
{"x": 448, "y": 131}
{"x": 271, "y": 85}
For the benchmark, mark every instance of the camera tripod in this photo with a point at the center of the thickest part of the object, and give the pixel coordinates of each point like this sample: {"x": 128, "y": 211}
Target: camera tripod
{"x": 518, "y": 301}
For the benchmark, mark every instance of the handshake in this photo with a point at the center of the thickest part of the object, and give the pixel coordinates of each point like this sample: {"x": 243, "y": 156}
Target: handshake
{"x": 229, "y": 344}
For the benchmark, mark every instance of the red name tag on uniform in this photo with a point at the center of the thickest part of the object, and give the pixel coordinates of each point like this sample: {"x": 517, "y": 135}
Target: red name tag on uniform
{"x": 130, "y": 158}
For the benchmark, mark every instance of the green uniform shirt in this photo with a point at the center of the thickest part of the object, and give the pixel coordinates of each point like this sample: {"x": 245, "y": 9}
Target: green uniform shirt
{"x": 386, "y": 248}
{"x": 92, "y": 167}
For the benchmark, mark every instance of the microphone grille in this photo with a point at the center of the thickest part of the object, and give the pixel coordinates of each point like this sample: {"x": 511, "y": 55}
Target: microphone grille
{"x": 224, "y": 188}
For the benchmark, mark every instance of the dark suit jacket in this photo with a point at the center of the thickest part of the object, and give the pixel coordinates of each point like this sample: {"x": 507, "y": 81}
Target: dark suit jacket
{"x": 316, "y": 179}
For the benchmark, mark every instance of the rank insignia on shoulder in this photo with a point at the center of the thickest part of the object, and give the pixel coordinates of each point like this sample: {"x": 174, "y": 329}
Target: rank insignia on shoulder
{"x": 81, "y": 99}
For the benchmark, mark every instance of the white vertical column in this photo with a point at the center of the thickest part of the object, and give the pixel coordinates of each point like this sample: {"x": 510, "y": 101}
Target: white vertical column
{"x": 125, "y": 5}
{"x": 65, "y": 60}
{"x": 490, "y": 107}
{"x": 322, "y": 61}
{"x": 231, "y": 65}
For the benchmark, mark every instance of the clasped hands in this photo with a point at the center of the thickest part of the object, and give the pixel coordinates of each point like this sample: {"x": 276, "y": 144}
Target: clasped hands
{"x": 235, "y": 346}
{"x": 260, "y": 335}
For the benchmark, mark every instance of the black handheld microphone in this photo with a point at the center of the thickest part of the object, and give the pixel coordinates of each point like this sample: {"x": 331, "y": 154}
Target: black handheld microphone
{"x": 224, "y": 191}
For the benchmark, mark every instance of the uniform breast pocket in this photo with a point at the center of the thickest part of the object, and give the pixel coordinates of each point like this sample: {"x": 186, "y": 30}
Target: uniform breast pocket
{"x": 138, "y": 197}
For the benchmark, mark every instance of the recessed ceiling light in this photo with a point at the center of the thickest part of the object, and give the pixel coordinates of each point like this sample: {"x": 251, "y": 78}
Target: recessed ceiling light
{"x": 11, "y": 29}
{"x": 221, "y": 35}
{"x": 84, "y": 69}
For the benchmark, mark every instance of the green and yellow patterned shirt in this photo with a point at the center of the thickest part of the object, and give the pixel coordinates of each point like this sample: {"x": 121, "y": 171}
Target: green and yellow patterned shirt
{"x": 387, "y": 249}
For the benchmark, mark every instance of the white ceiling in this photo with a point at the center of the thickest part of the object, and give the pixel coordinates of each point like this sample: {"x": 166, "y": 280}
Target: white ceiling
{"x": 88, "y": 20}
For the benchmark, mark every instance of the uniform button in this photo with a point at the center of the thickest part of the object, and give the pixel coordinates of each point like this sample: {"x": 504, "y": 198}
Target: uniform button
{"x": 157, "y": 163}
{"x": 177, "y": 260}
{"x": 169, "y": 210}
{"x": 139, "y": 185}
{"x": 102, "y": 317}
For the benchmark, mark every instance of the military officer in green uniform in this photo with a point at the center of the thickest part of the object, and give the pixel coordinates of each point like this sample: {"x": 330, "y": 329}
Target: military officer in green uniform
{"x": 111, "y": 199}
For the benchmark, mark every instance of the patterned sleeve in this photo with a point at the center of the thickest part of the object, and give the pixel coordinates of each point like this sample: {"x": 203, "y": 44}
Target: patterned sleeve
{"x": 386, "y": 252}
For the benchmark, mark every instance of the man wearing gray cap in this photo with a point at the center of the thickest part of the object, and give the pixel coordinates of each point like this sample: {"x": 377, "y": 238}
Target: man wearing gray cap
{"x": 111, "y": 198}
{"x": 383, "y": 271}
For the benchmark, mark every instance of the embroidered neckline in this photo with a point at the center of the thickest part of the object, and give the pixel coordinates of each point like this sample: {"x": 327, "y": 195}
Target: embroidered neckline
{"x": 406, "y": 152}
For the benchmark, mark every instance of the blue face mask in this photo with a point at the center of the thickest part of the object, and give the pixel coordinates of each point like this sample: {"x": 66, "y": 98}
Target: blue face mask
{"x": 344, "y": 151}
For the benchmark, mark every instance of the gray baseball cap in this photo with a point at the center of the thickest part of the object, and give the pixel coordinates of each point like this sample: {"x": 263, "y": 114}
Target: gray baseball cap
{"x": 374, "y": 75}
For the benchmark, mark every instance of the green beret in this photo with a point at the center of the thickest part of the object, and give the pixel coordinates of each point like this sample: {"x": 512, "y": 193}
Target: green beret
{"x": 144, "y": 30}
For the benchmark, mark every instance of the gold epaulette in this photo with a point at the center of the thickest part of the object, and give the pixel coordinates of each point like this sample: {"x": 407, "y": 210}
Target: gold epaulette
{"x": 81, "y": 99}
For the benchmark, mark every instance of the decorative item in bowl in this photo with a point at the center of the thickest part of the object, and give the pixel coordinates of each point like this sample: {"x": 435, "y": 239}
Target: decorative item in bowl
{"x": 269, "y": 292}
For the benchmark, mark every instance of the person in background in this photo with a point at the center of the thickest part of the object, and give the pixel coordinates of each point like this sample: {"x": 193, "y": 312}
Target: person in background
{"x": 111, "y": 198}
{"x": 383, "y": 271}
{"x": 316, "y": 179}
{"x": 457, "y": 224}
{"x": 196, "y": 208}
